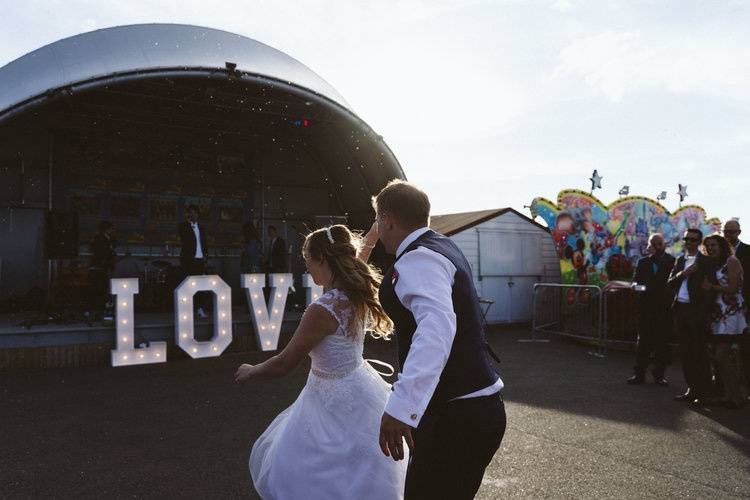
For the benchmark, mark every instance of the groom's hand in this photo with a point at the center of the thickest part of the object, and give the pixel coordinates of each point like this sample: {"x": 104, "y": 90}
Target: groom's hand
{"x": 393, "y": 432}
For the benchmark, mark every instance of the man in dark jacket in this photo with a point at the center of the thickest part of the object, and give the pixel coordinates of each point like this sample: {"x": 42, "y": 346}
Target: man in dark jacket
{"x": 655, "y": 301}
{"x": 102, "y": 263}
{"x": 276, "y": 252}
{"x": 194, "y": 250}
{"x": 732, "y": 233}
{"x": 690, "y": 307}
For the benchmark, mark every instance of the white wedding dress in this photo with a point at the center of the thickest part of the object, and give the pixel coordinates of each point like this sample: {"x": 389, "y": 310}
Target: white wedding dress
{"x": 325, "y": 445}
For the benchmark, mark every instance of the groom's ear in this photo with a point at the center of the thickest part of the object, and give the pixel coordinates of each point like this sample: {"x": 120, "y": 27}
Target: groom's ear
{"x": 386, "y": 219}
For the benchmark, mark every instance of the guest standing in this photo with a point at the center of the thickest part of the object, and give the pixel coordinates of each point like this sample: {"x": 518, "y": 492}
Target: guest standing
{"x": 691, "y": 317}
{"x": 727, "y": 318}
{"x": 654, "y": 304}
{"x": 732, "y": 233}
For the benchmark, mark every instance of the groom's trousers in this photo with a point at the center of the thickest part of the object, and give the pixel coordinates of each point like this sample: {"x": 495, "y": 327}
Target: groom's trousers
{"x": 453, "y": 446}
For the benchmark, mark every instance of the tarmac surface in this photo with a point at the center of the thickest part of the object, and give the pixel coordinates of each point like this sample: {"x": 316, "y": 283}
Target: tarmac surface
{"x": 184, "y": 430}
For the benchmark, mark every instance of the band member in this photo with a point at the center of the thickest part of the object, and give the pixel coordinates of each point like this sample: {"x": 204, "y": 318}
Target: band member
{"x": 277, "y": 252}
{"x": 102, "y": 263}
{"x": 193, "y": 254}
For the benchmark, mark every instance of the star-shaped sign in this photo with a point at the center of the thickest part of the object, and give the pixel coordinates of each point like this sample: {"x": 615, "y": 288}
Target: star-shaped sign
{"x": 596, "y": 181}
{"x": 682, "y": 191}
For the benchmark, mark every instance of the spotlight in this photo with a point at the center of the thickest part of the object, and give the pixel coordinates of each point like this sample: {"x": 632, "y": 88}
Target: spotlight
{"x": 231, "y": 69}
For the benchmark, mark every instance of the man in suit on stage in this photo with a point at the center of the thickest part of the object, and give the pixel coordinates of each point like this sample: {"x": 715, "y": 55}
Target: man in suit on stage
{"x": 277, "y": 252}
{"x": 655, "y": 302}
{"x": 194, "y": 250}
{"x": 732, "y": 233}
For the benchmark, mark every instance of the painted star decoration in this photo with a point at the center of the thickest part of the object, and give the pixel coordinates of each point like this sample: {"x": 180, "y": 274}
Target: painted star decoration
{"x": 596, "y": 181}
{"x": 682, "y": 191}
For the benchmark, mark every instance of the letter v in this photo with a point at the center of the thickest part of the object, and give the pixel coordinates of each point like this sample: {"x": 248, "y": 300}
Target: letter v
{"x": 267, "y": 326}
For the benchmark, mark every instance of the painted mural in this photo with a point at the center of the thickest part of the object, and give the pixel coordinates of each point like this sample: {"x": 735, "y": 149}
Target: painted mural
{"x": 596, "y": 243}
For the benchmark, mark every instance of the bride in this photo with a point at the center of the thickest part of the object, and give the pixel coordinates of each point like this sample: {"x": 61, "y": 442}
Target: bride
{"x": 325, "y": 445}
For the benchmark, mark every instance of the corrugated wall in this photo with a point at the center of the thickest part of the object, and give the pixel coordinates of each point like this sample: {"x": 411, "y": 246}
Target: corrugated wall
{"x": 468, "y": 241}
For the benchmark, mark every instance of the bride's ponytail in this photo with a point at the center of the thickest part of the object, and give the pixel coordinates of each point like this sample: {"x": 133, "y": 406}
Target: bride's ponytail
{"x": 338, "y": 246}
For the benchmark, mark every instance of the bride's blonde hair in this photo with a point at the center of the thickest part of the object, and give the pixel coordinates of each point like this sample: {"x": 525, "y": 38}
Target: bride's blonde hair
{"x": 338, "y": 246}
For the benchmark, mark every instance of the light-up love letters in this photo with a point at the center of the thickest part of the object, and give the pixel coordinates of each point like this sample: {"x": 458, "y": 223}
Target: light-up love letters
{"x": 266, "y": 318}
{"x": 125, "y": 291}
{"x": 184, "y": 322}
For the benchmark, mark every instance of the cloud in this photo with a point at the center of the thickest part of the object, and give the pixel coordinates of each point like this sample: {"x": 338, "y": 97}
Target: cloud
{"x": 431, "y": 96}
{"x": 618, "y": 63}
{"x": 563, "y": 5}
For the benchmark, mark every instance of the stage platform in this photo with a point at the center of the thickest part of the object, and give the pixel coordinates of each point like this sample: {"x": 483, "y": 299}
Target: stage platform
{"x": 28, "y": 340}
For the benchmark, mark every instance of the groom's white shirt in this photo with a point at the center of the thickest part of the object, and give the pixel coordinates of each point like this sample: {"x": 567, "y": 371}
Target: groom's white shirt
{"x": 425, "y": 287}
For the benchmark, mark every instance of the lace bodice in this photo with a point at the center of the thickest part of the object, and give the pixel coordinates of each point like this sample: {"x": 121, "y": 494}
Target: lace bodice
{"x": 340, "y": 353}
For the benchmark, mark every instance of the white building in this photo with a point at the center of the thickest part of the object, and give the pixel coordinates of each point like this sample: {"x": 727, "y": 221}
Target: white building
{"x": 508, "y": 253}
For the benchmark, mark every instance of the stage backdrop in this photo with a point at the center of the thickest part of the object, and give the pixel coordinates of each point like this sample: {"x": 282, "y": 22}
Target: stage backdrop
{"x": 596, "y": 243}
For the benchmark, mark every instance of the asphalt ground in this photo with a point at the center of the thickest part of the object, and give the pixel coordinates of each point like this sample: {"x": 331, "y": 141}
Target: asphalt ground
{"x": 184, "y": 430}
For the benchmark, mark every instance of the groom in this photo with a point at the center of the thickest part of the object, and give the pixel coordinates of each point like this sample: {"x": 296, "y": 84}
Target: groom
{"x": 446, "y": 403}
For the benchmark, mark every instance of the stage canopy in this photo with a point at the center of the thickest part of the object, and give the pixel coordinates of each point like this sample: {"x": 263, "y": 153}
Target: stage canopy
{"x": 132, "y": 123}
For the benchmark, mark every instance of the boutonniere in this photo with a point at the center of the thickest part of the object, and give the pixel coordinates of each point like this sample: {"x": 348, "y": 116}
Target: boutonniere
{"x": 394, "y": 278}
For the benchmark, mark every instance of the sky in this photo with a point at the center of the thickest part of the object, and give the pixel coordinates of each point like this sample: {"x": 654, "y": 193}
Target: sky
{"x": 489, "y": 104}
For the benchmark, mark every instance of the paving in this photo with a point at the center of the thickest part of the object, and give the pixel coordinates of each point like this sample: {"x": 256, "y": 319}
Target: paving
{"x": 183, "y": 429}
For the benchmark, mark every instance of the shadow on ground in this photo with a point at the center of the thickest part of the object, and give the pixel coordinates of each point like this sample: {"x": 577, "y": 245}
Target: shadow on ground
{"x": 183, "y": 429}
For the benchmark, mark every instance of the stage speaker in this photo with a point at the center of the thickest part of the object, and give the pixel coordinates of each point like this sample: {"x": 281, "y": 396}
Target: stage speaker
{"x": 62, "y": 234}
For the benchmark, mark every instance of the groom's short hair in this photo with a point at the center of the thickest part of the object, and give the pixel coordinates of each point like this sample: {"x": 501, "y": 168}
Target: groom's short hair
{"x": 405, "y": 202}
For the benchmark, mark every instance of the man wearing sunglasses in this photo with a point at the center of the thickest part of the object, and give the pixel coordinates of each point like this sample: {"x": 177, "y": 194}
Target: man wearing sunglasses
{"x": 732, "y": 233}
{"x": 690, "y": 313}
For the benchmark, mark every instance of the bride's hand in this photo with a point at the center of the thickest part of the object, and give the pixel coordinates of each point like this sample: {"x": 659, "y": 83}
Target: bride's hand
{"x": 371, "y": 238}
{"x": 244, "y": 372}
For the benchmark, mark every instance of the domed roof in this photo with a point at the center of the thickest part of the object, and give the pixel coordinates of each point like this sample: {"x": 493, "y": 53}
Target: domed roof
{"x": 147, "y": 48}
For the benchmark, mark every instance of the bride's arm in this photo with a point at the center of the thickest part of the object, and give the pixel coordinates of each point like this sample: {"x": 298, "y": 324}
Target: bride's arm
{"x": 368, "y": 243}
{"x": 315, "y": 325}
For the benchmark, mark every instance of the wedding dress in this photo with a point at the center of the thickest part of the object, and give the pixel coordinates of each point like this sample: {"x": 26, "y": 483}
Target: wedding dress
{"x": 325, "y": 445}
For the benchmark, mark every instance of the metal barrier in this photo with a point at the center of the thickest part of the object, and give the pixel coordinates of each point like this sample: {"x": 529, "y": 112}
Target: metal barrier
{"x": 620, "y": 317}
{"x": 569, "y": 310}
{"x": 607, "y": 317}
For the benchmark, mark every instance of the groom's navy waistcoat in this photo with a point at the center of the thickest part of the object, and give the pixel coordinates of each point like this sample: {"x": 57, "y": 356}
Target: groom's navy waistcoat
{"x": 468, "y": 368}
